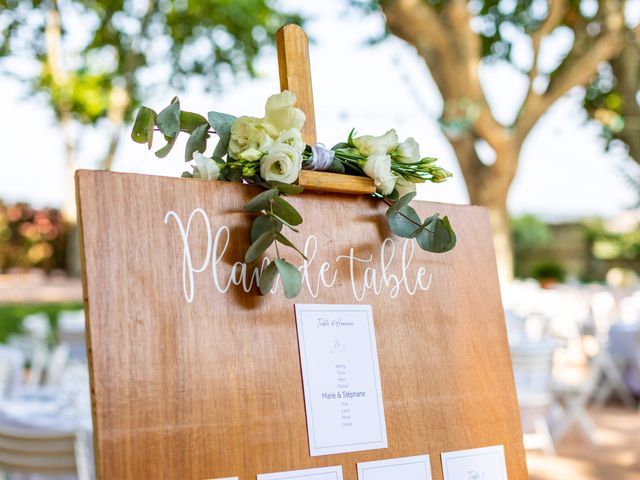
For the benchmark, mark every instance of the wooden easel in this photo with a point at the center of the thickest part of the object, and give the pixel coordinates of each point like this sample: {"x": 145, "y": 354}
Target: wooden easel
{"x": 210, "y": 386}
{"x": 295, "y": 76}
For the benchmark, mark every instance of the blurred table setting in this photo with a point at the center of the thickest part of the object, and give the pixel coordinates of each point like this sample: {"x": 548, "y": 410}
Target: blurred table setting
{"x": 45, "y": 406}
{"x": 573, "y": 347}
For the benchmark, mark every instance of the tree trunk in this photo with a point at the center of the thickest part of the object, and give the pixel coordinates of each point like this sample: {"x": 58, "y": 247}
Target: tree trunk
{"x": 488, "y": 185}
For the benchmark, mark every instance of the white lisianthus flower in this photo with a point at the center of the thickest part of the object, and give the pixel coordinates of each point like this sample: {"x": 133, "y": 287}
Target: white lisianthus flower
{"x": 404, "y": 186}
{"x": 292, "y": 137}
{"x": 206, "y": 168}
{"x": 369, "y": 145}
{"x": 250, "y": 154}
{"x": 240, "y": 130}
{"x": 407, "y": 152}
{"x": 280, "y": 114}
{"x": 281, "y": 164}
{"x": 378, "y": 167}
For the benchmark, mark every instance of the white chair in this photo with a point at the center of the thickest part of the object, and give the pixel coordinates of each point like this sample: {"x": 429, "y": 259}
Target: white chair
{"x": 11, "y": 370}
{"x": 532, "y": 365}
{"x": 27, "y": 450}
{"x": 58, "y": 361}
{"x": 71, "y": 332}
{"x": 603, "y": 311}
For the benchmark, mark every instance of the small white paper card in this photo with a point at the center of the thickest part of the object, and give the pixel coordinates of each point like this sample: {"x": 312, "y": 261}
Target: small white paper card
{"x": 342, "y": 392}
{"x": 475, "y": 464}
{"x": 405, "y": 468}
{"x": 325, "y": 473}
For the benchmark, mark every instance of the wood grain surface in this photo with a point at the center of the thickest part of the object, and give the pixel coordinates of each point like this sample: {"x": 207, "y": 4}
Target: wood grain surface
{"x": 295, "y": 74}
{"x": 212, "y": 388}
{"x": 334, "y": 182}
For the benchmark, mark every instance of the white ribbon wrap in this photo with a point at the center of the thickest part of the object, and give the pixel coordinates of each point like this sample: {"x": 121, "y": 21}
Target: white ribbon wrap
{"x": 321, "y": 158}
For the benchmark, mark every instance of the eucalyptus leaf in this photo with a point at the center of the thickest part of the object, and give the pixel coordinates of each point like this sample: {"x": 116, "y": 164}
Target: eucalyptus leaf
{"x": 340, "y": 145}
{"x": 168, "y": 120}
{"x": 189, "y": 121}
{"x": 286, "y": 211}
{"x": 164, "y": 151}
{"x": 221, "y": 123}
{"x": 262, "y": 224}
{"x": 401, "y": 203}
{"x": 291, "y": 278}
{"x": 267, "y": 278}
{"x": 404, "y": 222}
{"x": 437, "y": 237}
{"x": 142, "y": 131}
{"x": 336, "y": 166}
{"x": 285, "y": 241}
{"x": 282, "y": 221}
{"x": 286, "y": 188}
{"x": 197, "y": 141}
{"x": 258, "y": 247}
{"x": 187, "y": 175}
{"x": 261, "y": 201}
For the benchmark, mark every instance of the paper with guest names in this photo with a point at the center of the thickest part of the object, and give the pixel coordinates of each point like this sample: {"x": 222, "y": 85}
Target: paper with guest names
{"x": 485, "y": 463}
{"x": 404, "y": 468}
{"x": 341, "y": 377}
{"x": 324, "y": 473}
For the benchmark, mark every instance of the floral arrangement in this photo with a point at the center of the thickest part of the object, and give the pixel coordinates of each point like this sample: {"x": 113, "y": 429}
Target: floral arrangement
{"x": 270, "y": 152}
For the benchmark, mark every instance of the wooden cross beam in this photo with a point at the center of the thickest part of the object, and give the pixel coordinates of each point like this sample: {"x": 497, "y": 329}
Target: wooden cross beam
{"x": 295, "y": 75}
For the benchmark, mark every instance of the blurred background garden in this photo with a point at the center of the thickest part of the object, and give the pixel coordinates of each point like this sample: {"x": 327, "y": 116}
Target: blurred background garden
{"x": 534, "y": 105}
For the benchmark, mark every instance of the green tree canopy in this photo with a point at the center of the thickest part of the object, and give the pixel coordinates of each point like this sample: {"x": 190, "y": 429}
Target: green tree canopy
{"x": 455, "y": 37}
{"x": 99, "y": 59}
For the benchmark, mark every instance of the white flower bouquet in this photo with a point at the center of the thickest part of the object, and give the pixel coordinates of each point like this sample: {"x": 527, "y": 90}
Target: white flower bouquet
{"x": 270, "y": 152}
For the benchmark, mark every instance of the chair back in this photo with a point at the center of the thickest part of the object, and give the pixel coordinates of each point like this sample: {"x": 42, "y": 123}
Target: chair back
{"x": 532, "y": 363}
{"x": 37, "y": 451}
{"x": 12, "y": 363}
{"x": 71, "y": 332}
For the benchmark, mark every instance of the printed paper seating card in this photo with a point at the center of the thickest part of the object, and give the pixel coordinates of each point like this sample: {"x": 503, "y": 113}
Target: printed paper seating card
{"x": 406, "y": 468}
{"x": 326, "y": 473}
{"x": 343, "y": 397}
{"x": 475, "y": 464}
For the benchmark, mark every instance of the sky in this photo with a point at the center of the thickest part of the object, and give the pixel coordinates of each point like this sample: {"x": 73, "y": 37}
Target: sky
{"x": 564, "y": 172}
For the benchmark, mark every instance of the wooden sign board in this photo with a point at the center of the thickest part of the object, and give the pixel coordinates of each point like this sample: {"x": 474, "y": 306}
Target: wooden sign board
{"x": 195, "y": 378}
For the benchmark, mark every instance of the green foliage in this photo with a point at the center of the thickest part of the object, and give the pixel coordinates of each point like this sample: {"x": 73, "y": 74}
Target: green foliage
{"x": 273, "y": 214}
{"x": 108, "y": 43}
{"x": 168, "y": 120}
{"x": 530, "y": 232}
{"x": 549, "y": 270}
{"x": 221, "y": 123}
{"x": 610, "y": 245}
{"x": 434, "y": 234}
{"x": 12, "y": 315}
{"x": 142, "y": 131}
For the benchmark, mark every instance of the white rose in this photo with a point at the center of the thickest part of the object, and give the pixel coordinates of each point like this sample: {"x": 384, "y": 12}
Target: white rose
{"x": 407, "y": 152}
{"x": 240, "y": 130}
{"x": 404, "y": 186}
{"x": 281, "y": 164}
{"x": 207, "y": 168}
{"x": 370, "y": 145}
{"x": 281, "y": 114}
{"x": 292, "y": 137}
{"x": 378, "y": 167}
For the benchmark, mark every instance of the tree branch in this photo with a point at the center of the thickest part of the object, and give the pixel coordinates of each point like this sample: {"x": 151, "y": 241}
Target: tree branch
{"x": 418, "y": 24}
{"x": 556, "y": 11}
{"x": 577, "y": 69}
